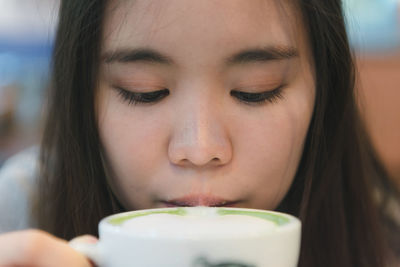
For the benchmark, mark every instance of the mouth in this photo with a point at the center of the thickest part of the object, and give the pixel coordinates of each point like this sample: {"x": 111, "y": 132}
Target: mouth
{"x": 199, "y": 200}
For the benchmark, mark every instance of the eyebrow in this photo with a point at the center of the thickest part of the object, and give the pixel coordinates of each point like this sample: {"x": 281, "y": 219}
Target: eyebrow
{"x": 271, "y": 53}
{"x": 136, "y": 55}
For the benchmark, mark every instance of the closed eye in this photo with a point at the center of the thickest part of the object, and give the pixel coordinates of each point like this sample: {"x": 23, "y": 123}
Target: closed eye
{"x": 155, "y": 96}
{"x": 258, "y": 98}
{"x": 141, "y": 98}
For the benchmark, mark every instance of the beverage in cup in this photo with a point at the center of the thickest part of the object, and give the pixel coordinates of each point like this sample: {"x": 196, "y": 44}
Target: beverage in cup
{"x": 196, "y": 237}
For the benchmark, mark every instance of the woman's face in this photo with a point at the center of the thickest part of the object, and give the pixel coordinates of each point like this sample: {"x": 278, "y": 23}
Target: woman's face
{"x": 203, "y": 102}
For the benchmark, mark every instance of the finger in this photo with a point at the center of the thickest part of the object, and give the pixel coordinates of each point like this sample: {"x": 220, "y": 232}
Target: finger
{"x": 36, "y": 248}
{"x": 86, "y": 245}
{"x": 88, "y": 239}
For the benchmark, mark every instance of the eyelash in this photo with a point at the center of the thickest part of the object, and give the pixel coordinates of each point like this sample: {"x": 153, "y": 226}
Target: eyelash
{"x": 145, "y": 98}
{"x": 133, "y": 98}
{"x": 259, "y": 98}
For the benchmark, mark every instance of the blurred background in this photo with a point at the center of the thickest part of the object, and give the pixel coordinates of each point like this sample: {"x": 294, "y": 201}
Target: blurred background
{"x": 374, "y": 32}
{"x": 27, "y": 31}
{"x": 26, "y": 34}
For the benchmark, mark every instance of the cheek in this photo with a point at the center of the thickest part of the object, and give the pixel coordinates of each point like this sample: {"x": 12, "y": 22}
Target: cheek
{"x": 269, "y": 145}
{"x": 272, "y": 147}
{"x": 132, "y": 145}
{"x": 128, "y": 143}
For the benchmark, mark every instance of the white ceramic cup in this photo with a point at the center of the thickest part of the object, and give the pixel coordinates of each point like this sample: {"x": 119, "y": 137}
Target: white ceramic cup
{"x": 196, "y": 237}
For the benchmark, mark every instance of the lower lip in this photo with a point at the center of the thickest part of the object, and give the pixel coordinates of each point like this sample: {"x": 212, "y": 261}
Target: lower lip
{"x": 171, "y": 205}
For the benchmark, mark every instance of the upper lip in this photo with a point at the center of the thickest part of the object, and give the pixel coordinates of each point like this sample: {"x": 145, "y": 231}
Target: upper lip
{"x": 199, "y": 200}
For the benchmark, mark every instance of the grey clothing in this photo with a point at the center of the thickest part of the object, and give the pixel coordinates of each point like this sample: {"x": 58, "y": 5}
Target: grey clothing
{"x": 18, "y": 191}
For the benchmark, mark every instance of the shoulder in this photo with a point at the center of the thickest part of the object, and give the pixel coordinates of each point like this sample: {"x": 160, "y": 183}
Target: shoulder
{"x": 26, "y": 159}
{"x": 18, "y": 190}
{"x": 21, "y": 169}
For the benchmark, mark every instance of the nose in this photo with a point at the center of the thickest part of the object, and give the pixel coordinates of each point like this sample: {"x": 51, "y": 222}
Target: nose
{"x": 199, "y": 139}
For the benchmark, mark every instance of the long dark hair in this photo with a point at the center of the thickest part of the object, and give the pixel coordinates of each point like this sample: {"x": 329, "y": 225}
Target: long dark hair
{"x": 332, "y": 190}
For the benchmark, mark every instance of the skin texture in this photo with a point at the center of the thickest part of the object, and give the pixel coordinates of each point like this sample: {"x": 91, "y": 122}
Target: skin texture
{"x": 200, "y": 144}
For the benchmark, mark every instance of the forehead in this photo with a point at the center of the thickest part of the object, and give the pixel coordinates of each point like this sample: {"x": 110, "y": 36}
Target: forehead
{"x": 199, "y": 27}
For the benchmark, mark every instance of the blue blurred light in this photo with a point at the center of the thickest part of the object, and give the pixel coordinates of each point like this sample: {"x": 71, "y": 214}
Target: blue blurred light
{"x": 373, "y": 25}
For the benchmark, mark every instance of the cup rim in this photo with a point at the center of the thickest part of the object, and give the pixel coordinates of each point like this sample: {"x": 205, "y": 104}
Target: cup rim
{"x": 287, "y": 222}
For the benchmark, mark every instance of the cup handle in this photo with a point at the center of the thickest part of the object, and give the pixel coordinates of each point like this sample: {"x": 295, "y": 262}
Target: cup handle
{"x": 90, "y": 250}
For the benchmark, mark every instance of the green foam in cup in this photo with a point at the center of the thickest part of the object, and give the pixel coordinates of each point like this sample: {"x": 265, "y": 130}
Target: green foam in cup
{"x": 119, "y": 220}
{"x": 273, "y": 217}
{"x": 276, "y": 218}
